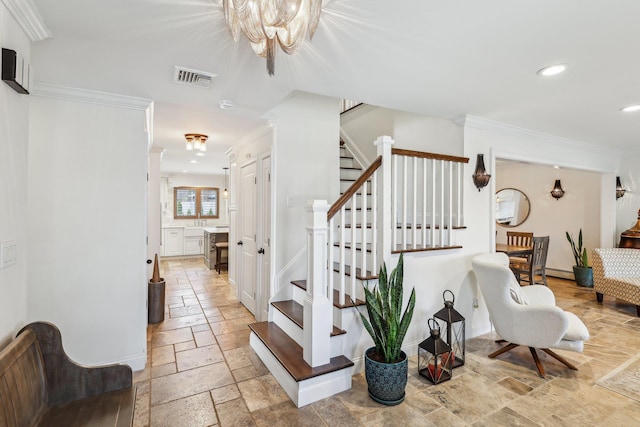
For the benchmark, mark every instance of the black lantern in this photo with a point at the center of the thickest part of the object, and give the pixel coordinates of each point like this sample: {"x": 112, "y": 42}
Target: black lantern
{"x": 434, "y": 356}
{"x": 454, "y": 329}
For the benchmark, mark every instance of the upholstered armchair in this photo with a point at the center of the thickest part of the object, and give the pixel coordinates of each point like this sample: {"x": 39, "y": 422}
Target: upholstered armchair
{"x": 526, "y": 315}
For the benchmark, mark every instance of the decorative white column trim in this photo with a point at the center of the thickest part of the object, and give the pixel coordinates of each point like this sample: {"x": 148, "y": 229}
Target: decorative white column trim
{"x": 28, "y": 17}
{"x": 90, "y": 96}
{"x": 386, "y": 224}
{"x": 318, "y": 318}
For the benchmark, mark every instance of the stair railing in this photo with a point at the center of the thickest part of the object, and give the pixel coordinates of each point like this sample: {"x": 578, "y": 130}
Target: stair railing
{"x": 427, "y": 199}
{"x": 356, "y": 230}
{"x": 404, "y": 201}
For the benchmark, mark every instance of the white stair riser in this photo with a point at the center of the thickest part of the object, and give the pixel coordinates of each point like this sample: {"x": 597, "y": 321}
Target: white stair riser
{"x": 344, "y": 185}
{"x": 304, "y": 392}
{"x": 347, "y": 172}
{"x": 296, "y": 332}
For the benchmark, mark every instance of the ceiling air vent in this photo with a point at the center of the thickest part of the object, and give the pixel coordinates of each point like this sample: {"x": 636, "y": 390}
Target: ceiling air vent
{"x": 193, "y": 77}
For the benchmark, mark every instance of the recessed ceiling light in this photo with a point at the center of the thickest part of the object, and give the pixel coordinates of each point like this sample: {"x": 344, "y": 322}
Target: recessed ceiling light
{"x": 193, "y": 161}
{"x": 631, "y": 108}
{"x": 184, "y": 171}
{"x": 552, "y": 70}
{"x": 225, "y": 104}
{"x": 200, "y": 154}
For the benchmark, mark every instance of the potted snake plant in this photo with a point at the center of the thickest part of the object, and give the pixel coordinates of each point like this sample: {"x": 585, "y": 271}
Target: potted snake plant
{"x": 386, "y": 365}
{"x": 581, "y": 271}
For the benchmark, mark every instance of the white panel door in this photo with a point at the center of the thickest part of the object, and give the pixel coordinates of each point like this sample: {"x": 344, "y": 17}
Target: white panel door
{"x": 264, "y": 261}
{"x": 248, "y": 235}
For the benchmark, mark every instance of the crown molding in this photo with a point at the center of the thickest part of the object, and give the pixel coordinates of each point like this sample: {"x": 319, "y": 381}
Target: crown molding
{"x": 28, "y": 17}
{"x": 507, "y": 129}
{"x": 44, "y": 90}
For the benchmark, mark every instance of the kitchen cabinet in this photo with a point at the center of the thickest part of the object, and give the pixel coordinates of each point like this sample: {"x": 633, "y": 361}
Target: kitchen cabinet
{"x": 173, "y": 241}
{"x": 193, "y": 245}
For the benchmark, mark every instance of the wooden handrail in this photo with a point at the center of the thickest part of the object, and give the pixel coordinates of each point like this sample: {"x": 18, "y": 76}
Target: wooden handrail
{"x": 335, "y": 208}
{"x": 424, "y": 155}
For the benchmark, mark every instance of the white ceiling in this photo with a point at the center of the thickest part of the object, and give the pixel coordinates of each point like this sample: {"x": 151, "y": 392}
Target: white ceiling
{"x": 436, "y": 57}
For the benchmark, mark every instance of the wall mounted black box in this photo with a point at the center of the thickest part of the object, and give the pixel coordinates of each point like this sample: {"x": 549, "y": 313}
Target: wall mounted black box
{"x": 11, "y": 64}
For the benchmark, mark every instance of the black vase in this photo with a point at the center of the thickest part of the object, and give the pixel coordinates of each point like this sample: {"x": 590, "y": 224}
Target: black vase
{"x": 386, "y": 381}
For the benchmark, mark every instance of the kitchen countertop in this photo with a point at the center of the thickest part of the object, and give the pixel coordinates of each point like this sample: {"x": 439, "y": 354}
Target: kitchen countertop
{"x": 217, "y": 229}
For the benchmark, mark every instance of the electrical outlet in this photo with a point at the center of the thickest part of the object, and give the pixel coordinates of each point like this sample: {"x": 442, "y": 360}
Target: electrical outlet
{"x": 8, "y": 253}
{"x": 290, "y": 201}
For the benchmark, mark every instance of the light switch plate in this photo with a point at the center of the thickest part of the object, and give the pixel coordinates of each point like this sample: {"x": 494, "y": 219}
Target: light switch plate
{"x": 8, "y": 253}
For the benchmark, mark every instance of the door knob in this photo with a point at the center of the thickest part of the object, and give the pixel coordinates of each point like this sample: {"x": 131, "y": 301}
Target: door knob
{"x": 149, "y": 261}
{"x": 261, "y": 251}
{"x": 240, "y": 243}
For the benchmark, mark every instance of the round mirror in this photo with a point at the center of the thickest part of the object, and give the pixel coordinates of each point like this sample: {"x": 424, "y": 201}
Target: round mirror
{"x": 512, "y": 207}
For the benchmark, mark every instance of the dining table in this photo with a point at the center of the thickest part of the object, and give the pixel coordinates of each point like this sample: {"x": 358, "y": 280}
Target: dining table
{"x": 513, "y": 250}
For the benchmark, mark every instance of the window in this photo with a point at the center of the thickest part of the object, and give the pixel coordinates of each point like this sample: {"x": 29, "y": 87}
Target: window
{"x": 195, "y": 202}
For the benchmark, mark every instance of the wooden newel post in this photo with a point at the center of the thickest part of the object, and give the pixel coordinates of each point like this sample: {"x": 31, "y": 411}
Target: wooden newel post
{"x": 318, "y": 312}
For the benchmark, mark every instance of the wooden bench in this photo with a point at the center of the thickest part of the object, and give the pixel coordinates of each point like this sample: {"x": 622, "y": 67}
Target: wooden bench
{"x": 41, "y": 386}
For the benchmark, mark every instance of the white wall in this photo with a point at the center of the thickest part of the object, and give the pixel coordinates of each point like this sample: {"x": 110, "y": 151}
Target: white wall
{"x": 14, "y": 119}
{"x": 87, "y": 225}
{"x": 305, "y": 167}
{"x": 576, "y": 210}
{"x": 410, "y": 131}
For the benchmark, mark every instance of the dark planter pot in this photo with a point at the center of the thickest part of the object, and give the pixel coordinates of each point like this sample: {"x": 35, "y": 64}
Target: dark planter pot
{"x": 386, "y": 381}
{"x": 584, "y": 276}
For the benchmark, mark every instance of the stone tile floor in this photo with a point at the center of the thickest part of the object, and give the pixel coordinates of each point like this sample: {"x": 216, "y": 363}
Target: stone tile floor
{"x": 202, "y": 372}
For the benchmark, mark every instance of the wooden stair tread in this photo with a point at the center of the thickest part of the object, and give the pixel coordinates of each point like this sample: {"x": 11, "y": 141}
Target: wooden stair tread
{"x": 302, "y": 284}
{"x": 409, "y": 226}
{"x": 420, "y": 248}
{"x": 289, "y": 353}
{"x": 295, "y": 313}
{"x": 358, "y": 246}
{"x": 350, "y": 168}
{"x": 359, "y": 275}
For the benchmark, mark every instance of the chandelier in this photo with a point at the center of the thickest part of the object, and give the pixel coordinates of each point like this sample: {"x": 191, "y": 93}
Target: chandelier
{"x": 196, "y": 141}
{"x": 265, "y": 22}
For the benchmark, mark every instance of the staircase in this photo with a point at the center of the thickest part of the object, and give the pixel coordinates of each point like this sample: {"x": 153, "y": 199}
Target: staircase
{"x": 314, "y": 330}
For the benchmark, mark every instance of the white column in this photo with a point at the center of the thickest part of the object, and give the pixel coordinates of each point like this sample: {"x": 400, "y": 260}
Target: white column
{"x": 318, "y": 312}
{"x": 386, "y": 224}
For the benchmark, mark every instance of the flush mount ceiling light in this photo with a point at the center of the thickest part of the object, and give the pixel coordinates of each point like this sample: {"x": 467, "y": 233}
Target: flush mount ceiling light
{"x": 267, "y": 23}
{"x": 552, "y": 70}
{"x": 630, "y": 108}
{"x": 196, "y": 141}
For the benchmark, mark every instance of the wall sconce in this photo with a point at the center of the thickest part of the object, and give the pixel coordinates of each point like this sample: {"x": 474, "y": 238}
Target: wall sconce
{"x": 619, "y": 188}
{"x": 480, "y": 176}
{"x": 557, "y": 191}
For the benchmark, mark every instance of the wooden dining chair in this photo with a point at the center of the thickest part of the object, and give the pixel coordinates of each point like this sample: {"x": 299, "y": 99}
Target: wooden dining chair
{"x": 535, "y": 265}
{"x": 519, "y": 238}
